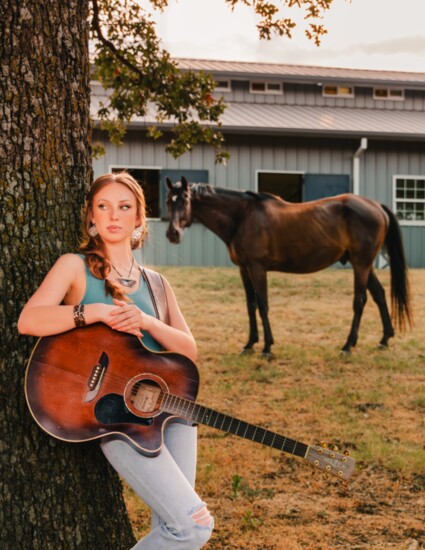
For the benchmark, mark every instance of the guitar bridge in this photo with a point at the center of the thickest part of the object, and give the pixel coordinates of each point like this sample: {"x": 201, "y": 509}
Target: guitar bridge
{"x": 96, "y": 377}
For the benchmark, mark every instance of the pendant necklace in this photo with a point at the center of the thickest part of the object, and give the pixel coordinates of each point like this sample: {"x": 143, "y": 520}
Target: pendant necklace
{"x": 126, "y": 281}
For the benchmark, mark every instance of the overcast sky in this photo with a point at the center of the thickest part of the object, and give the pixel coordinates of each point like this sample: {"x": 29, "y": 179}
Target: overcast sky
{"x": 364, "y": 34}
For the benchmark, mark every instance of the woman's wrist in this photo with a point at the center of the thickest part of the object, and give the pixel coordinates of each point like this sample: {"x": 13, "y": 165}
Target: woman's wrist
{"x": 79, "y": 317}
{"x": 90, "y": 313}
{"x": 150, "y": 324}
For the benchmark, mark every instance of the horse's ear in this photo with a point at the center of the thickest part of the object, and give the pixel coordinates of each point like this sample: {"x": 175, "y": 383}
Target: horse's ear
{"x": 185, "y": 184}
{"x": 169, "y": 183}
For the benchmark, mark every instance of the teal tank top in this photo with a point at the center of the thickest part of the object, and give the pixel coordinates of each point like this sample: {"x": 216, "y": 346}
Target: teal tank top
{"x": 95, "y": 294}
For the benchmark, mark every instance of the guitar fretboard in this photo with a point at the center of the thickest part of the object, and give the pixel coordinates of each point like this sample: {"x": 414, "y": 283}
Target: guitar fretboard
{"x": 202, "y": 415}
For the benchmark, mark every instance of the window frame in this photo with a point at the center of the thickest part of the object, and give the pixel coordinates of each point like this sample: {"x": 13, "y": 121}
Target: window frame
{"x": 226, "y": 89}
{"x": 292, "y": 173}
{"x": 397, "y": 200}
{"x": 338, "y": 93}
{"x": 266, "y": 91}
{"x": 388, "y": 89}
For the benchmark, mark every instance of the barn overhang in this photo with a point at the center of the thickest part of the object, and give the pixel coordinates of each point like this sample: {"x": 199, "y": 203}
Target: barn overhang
{"x": 275, "y": 119}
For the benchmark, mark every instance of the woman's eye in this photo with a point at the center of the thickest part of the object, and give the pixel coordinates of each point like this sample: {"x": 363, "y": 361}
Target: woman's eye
{"x": 101, "y": 206}
{"x": 125, "y": 207}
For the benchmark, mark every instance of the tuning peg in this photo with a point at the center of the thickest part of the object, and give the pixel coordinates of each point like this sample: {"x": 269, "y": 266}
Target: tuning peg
{"x": 347, "y": 452}
{"x": 323, "y": 444}
{"x": 335, "y": 447}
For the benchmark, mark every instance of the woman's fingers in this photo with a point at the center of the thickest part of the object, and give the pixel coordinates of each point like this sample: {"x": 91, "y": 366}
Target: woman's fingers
{"x": 126, "y": 318}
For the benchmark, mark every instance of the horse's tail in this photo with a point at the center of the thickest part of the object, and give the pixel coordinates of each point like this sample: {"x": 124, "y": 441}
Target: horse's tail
{"x": 400, "y": 291}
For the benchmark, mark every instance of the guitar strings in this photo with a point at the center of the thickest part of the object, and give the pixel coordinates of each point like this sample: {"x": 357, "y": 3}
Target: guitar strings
{"x": 270, "y": 438}
{"x": 119, "y": 383}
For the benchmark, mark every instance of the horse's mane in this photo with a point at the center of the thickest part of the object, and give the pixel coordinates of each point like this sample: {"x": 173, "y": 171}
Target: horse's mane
{"x": 262, "y": 196}
{"x": 201, "y": 190}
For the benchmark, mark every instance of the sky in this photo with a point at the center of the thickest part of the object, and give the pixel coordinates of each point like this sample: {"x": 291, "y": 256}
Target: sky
{"x": 362, "y": 34}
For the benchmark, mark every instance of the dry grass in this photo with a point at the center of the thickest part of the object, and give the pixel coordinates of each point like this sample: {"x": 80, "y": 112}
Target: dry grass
{"x": 371, "y": 402}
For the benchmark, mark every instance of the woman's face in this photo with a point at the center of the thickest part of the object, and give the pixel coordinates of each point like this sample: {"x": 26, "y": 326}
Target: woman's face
{"x": 114, "y": 212}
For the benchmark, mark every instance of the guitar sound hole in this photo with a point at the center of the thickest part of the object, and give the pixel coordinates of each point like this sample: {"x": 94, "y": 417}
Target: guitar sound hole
{"x": 146, "y": 396}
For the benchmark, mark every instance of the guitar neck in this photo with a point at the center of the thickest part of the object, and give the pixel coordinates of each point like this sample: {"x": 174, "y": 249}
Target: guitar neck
{"x": 208, "y": 417}
{"x": 325, "y": 459}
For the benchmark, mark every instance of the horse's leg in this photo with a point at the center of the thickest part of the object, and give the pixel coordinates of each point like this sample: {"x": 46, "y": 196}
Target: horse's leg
{"x": 251, "y": 303}
{"x": 361, "y": 275}
{"x": 259, "y": 281}
{"x": 378, "y": 294}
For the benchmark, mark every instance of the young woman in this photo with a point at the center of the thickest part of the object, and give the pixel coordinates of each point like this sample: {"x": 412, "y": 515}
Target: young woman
{"x": 104, "y": 284}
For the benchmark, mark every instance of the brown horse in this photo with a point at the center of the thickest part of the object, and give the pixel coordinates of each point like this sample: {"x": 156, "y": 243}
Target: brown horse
{"x": 264, "y": 233}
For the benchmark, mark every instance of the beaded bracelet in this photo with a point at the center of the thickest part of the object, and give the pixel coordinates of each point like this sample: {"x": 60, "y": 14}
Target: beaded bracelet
{"x": 79, "y": 319}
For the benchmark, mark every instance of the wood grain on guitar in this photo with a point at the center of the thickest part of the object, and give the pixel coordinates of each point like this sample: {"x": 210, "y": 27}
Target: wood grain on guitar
{"x": 89, "y": 383}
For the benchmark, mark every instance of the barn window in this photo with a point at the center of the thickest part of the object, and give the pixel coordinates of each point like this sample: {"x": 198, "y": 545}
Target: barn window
{"x": 263, "y": 87}
{"x": 331, "y": 90}
{"x": 396, "y": 94}
{"x": 148, "y": 178}
{"x": 223, "y": 86}
{"x": 409, "y": 199}
{"x": 287, "y": 185}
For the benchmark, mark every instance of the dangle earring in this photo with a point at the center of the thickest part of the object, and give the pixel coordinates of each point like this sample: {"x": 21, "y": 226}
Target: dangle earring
{"x": 92, "y": 231}
{"x": 137, "y": 234}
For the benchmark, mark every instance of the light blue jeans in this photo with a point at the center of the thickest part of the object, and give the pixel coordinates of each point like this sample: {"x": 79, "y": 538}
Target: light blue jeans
{"x": 180, "y": 520}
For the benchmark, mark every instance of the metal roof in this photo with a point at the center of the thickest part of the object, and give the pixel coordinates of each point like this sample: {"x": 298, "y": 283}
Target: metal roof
{"x": 335, "y": 121}
{"x": 303, "y": 73}
{"x": 275, "y": 119}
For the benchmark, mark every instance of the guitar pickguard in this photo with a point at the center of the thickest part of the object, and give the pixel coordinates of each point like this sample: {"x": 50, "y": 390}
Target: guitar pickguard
{"x": 111, "y": 409}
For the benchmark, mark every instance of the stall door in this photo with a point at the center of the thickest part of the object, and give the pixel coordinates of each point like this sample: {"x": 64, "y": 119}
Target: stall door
{"x": 318, "y": 186}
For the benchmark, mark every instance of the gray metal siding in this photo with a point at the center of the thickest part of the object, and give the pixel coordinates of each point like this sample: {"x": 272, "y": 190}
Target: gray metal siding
{"x": 414, "y": 245}
{"x": 199, "y": 247}
{"x": 249, "y": 154}
{"x": 311, "y": 95}
{"x": 379, "y": 164}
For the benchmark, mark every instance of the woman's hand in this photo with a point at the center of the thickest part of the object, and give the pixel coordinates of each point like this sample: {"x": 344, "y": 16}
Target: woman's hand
{"x": 127, "y": 318}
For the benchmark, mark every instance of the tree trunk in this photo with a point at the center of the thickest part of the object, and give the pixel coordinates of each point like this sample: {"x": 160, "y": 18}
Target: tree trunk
{"x": 54, "y": 495}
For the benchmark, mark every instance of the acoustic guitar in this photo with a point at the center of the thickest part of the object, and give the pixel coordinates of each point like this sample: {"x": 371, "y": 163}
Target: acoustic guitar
{"x": 95, "y": 382}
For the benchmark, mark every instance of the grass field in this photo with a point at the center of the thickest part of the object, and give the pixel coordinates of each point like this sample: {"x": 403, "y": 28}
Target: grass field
{"x": 371, "y": 402}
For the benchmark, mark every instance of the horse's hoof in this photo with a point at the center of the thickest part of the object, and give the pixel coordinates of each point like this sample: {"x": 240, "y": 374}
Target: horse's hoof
{"x": 382, "y": 346}
{"x": 345, "y": 352}
{"x": 247, "y": 351}
{"x": 268, "y": 355}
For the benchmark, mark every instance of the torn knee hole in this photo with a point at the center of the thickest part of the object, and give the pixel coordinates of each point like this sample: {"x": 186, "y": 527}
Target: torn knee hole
{"x": 202, "y": 517}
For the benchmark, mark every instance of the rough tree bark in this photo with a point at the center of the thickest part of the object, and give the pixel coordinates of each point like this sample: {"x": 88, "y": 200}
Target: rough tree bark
{"x": 53, "y": 495}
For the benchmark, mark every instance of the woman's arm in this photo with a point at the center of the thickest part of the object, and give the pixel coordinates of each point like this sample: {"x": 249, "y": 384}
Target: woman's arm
{"x": 44, "y": 315}
{"x": 174, "y": 337}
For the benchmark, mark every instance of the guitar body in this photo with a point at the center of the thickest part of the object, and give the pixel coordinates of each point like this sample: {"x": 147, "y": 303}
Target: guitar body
{"x": 95, "y": 382}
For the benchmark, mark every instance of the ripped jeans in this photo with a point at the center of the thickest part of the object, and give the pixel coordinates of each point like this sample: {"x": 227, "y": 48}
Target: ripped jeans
{"x": 180, "y": 520}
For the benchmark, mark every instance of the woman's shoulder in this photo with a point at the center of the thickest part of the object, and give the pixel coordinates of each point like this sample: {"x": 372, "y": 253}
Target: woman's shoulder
{"x": 70, "y": 260}
{"x": 69, "y": 266}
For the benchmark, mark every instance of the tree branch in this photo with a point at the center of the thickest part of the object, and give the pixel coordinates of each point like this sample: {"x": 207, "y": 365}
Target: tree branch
{"x": 108, "y": 44}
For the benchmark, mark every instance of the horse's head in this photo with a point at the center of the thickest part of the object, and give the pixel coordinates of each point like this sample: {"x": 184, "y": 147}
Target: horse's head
{"x": 179, "y": 208}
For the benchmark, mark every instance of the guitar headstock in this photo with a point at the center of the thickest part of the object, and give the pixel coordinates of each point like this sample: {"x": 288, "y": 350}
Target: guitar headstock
{"x": 330, "y": 461}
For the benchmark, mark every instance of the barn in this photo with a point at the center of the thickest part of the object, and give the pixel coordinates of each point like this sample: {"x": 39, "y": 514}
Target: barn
{"x": 299, "y": 132}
